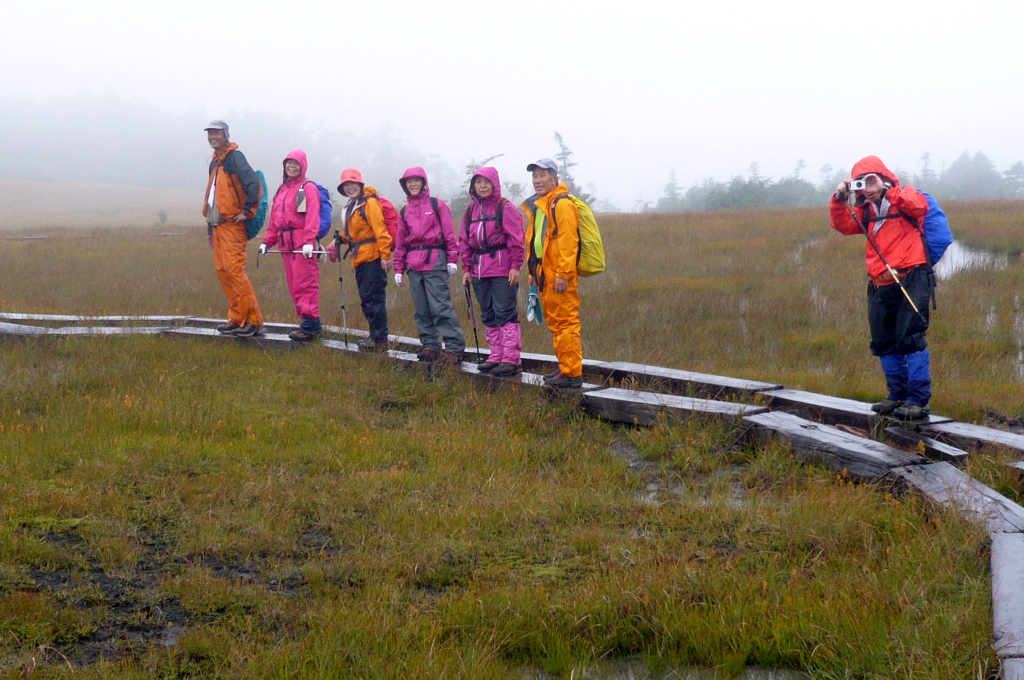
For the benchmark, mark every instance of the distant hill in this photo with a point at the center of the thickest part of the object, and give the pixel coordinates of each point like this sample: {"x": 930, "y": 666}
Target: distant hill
{"x": 28, "y": 204}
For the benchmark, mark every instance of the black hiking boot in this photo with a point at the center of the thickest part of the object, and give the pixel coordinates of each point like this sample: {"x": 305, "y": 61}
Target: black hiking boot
{"x": 247, "y": 331}
{"x": 912, "y": 412}
{"x": 506, "y": 370}
{"x": 487, "y": 366}
{"x": 563, "y": 381}
{"x": 229, "y": 327}
{"x": 552, "y": 375}
{"x": 302, "y": 336}
{"x": 368, "y": 345}
{"x": 886, "y": 406}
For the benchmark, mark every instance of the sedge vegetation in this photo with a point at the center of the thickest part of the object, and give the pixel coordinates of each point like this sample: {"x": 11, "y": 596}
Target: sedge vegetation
{"x": 181, "y": 508}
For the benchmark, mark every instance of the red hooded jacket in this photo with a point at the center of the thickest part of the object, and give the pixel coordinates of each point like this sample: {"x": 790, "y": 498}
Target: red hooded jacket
{"x": 897, "y": 238}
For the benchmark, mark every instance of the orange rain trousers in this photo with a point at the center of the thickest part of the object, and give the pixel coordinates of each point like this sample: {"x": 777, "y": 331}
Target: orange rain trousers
{"x": 562, "y": 315}
{"x": 229, "y": 241}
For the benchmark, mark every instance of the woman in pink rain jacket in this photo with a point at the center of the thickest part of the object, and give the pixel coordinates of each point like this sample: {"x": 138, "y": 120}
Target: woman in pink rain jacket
{"x": 492, "y": 252}
{"x": 426, "y": 255}
{"x": 293, "y": 226}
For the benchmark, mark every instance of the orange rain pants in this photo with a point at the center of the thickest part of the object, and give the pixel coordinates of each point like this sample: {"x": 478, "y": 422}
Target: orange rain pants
{"x": 562, "y": 315}
{"x": 229, "y": 240}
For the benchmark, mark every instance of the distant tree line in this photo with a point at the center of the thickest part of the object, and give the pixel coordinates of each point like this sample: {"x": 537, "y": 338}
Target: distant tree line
{"x": 967, "y": 178}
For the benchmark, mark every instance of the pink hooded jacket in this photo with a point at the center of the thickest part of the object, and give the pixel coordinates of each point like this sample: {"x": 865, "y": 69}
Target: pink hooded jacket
{"x": 420, "y": 230}
{"x": 476, "y": 234}
{"x": 284, "y": 215}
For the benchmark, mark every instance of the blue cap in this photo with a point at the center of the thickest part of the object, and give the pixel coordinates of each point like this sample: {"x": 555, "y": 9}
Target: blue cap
{"x": 543, "y": 164}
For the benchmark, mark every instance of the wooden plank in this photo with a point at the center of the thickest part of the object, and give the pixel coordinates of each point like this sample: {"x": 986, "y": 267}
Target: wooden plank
{"x": 832, "y": 409}
{"x": 1017, "y": 466}
{"x": 860, "y": 458}
{"x": 264, "y": 340}
{"x": 87, "y": 331}
{"x": 702, "y": 383}
{"x": 644, "y": 408}
{"x": 933, "y": 448}
{"x": 951, "y": 487}
{"x": 1011, "y": 669}
{"x": 1008, "y": 595}
{"x": 92, "y": 320}
{"x": 974, "y": 436}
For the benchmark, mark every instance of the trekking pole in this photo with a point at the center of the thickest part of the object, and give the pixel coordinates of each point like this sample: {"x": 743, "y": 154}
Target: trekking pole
{"x": 341, "y": 287}
{"x": 892, "y": 272}
{"x": 472, "y": 317}
{"x": 316, "y": 253}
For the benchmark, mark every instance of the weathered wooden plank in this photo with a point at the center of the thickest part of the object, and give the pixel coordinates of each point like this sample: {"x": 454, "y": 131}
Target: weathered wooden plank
{"x": 1017, "y": 465}
{"x": 644, "y": 408}
{"x": 826, "y": 407}
{"x": 703, "y": 383}
{"x": 92, "y": 320}
{"x": 933, "y": 448}
{"x": 262, "y": 340}
{"x": 340, "y": 345}
{"x": 87, "y": 331}
{"x": 1008, "y": 594}
{"x": 972, "y": 436}
{"x": 951, "y": 487}
{"x": 17, "y": 329}
{"x": 860, "y": 458}
{"x": 1011, "y": 669}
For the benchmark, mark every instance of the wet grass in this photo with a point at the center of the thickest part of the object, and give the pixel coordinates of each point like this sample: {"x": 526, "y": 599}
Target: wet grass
{"x": 188, "y": 509}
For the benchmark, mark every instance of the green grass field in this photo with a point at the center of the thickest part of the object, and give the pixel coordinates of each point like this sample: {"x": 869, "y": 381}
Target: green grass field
{"x": 180, "y": 508}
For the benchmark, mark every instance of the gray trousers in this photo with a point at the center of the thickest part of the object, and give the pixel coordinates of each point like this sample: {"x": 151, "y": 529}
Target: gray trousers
{"x": 435, "y": 314}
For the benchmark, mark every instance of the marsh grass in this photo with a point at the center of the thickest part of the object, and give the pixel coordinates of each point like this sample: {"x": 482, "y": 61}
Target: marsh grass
{"x": 190, "y": 509}
{"x": 774, "y": 295}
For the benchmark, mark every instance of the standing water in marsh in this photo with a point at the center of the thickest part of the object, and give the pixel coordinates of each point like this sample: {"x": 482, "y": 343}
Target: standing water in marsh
{"x": 959, "y": 257}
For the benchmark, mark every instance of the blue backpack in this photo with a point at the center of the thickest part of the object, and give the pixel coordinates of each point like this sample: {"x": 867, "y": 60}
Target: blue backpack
{"x": 936, "y": 232}
{"x": 255, "y": 225}
{"x": 326, "y": 208}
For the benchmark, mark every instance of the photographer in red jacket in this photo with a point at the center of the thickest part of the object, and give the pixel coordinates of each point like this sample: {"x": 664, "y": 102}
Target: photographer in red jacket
{"x": 872, "y": 203}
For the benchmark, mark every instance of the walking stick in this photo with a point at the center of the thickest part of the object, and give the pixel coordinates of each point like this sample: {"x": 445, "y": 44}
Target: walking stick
{"x": 892, "y": 272}
{"x": 472, "y": 317}
{"x": 341, "y": 286}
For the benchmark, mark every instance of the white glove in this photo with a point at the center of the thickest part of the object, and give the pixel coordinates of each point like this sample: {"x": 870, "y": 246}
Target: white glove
{"x": 398, "y": 279}
{"x": 307, "y": 250}
{"x": 452, "y": 268}
{"x": 263, "y": 249}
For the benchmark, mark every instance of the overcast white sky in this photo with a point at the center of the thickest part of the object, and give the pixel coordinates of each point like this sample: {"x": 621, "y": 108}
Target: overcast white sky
{"x": 636, "y": 88}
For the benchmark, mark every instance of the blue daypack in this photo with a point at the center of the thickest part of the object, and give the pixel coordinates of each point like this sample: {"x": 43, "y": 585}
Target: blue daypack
{"x": 255, "y": 225}
{"x": 326, "y": 208}
{"x": 936, "y": 232}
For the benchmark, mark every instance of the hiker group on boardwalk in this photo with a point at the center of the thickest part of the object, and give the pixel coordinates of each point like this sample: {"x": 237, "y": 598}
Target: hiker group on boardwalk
{"x": 555, "y": 234}
{"x": 420, "y": 243}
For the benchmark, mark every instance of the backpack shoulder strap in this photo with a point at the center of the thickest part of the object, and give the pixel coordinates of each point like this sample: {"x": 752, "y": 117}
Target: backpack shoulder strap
{"x": 401, "y": 212}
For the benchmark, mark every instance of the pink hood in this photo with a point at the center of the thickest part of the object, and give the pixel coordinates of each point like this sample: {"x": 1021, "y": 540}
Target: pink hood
{"x": 490, "y": 174}
{"x": 287, "y": 226}
{"x": 416, "y": 172}
{"x": 300, "y": 157}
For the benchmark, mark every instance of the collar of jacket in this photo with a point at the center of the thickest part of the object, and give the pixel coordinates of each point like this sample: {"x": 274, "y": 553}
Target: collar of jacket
{"x": 219, "y": 157}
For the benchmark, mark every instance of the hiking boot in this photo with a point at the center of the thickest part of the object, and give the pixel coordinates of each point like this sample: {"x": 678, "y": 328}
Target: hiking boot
{"x": 302, "y": 336}
{"x": 506, "y": 370}
{"x": 552, "y": 375}
{"x": 886, "y": 406}
{"x": 450, "y": 358}
{"x": 563, "y": 381}
{"x": 912, "y": 412}
{"x": 428, "y": 354}
{"x": 227, "y": 327}
{"x": 487, "y": 366}
{"x": 368, "y": 345}
{"x": 247, "y": 331}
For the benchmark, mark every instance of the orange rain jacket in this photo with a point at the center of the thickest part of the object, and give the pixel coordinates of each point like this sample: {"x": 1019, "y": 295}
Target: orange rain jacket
{"x": 897, "y": 238}
{"x": 238, "y": 186}
{"x": 365, "y": 230}
{"x": 561, "y": 246}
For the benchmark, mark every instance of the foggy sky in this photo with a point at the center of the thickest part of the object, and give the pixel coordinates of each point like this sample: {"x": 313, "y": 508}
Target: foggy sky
{"x": 635, "y": 88}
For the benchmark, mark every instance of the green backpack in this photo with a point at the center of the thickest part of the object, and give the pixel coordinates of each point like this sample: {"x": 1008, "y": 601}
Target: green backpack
{"x": 590, "y": 256}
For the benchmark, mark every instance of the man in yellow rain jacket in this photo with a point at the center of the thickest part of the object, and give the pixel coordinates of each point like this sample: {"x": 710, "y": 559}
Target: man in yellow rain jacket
{"x": 552, "y": 254}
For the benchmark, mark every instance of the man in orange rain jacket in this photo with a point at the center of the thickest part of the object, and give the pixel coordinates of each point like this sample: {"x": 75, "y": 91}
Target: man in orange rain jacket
{"x": 232, "y": 197}
{"x": 890, "y": 214}
{"x": 552, "y": 250}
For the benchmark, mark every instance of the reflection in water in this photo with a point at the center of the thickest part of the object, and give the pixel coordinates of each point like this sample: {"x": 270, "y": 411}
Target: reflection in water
{"x": 959, "y": 257}
{"x": 636, "y": 670}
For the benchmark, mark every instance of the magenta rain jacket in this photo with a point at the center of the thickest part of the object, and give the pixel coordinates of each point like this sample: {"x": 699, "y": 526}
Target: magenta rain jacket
{"x": 475, "y": 235}
{"x": 421, "y": 231}
{"x": 284, "y": 214}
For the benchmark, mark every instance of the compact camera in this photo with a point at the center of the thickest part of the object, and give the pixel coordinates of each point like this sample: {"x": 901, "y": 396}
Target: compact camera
{"x": 858, "y": 185}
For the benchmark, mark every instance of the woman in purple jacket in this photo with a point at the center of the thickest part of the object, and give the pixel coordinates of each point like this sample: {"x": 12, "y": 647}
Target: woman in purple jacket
{"x": 491, "y": 250}
{"x": 426, "y": 253}
{"x": 294, "y": 223}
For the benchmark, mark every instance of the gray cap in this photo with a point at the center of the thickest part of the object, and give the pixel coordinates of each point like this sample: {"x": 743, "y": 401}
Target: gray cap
{"x": 543, "y": 164}
{"x": 218, "y": 125}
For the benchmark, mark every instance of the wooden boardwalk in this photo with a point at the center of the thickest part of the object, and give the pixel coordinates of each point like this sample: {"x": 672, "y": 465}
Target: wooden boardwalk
{"x": 807, "y": 421}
